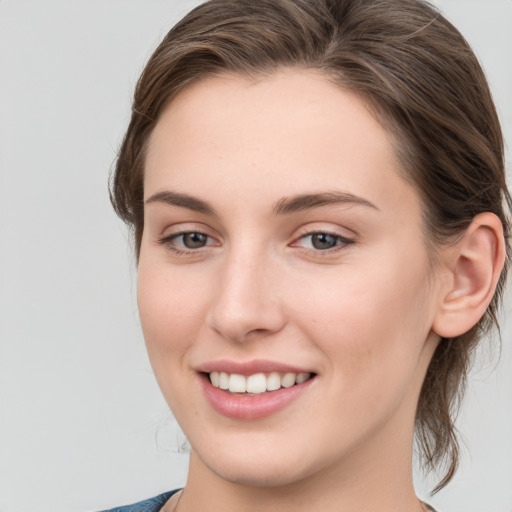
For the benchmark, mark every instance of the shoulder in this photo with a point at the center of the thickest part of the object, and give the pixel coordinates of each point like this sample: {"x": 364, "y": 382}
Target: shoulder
{"x": 150, "y": 505}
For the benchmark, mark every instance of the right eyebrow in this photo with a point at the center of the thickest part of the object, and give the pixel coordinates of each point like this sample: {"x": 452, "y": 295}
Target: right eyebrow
{"x": 302, "y": 202}
{"x": 181, "y": 200}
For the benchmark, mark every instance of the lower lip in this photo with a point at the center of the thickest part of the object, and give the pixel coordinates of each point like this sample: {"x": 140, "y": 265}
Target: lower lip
{"x": 246, "y": 407}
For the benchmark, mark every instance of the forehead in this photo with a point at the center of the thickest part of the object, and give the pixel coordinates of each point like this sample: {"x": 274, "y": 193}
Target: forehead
{"x": 294, "y": 130}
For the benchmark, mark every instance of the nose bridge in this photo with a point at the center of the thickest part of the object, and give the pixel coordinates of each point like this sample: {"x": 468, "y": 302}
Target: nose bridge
{"x": 246, "y": 301}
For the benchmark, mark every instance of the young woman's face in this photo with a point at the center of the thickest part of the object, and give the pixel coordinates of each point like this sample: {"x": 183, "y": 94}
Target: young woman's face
{"x": 281, "y": 246}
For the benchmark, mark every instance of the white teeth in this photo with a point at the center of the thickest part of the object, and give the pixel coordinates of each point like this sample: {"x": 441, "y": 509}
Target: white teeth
{"x": 301, "y": 377}
{"x": 237, "y": 383}
{"x": 273, "y": 381}
{"x": 288, "y": 380}
{"x": 256, "y": 383}
{"x": 223, "y": 380}
{"x": 215, "y": 378}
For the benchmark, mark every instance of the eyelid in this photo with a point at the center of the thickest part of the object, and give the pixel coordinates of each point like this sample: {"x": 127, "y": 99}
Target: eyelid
{"x": 344, "y": 240}
{"x": 174, "y": 232}
{"x": 174, "y": 236}
{"x": 169, "y": 240}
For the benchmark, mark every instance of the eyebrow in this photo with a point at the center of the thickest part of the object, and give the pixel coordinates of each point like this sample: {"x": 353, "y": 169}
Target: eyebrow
{"x": 181, "y": 200}
{"x": 307, "y": 201}
{"x": 283, "y": 206}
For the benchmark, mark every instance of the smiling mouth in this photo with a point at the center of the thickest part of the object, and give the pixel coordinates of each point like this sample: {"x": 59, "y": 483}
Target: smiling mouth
{"x": 258, "y": 383}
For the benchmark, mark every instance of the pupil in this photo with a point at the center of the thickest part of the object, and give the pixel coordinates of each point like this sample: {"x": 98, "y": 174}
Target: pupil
{"x": 194, "y": 240}
{"x": 323, "y": 241}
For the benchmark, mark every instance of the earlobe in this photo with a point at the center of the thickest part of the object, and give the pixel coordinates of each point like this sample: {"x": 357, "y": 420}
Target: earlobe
{"x": 475, "y": 264}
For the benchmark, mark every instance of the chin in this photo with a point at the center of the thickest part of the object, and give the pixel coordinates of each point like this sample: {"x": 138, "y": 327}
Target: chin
{"x": 261, "y": 474}
{"x": 265, "y": 465}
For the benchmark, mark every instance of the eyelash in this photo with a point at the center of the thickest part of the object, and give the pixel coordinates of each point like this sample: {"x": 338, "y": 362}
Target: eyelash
{"x": 170, "y": 242}
{"x": 341, "y": 242}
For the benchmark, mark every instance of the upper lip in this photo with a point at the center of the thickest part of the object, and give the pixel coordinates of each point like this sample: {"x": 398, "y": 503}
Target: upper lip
{"x": 249, "y": 367}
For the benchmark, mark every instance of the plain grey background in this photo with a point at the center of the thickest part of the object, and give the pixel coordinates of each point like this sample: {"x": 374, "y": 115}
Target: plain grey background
{"x": 82, "y": 422}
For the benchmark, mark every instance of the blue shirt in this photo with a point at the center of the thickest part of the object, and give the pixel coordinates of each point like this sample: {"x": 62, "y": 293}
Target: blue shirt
{"x": 156, "y": 503}
{"x": 150, "y": 505}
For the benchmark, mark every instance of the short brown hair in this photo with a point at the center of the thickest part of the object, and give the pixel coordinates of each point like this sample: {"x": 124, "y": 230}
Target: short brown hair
{"x": 423, "y": 82}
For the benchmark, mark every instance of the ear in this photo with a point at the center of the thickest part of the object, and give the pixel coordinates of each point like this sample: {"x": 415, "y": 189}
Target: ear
{"x": 473, "y": 265}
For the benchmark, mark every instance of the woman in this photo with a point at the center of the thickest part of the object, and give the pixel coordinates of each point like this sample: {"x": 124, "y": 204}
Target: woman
{"x": 318, "y": 199}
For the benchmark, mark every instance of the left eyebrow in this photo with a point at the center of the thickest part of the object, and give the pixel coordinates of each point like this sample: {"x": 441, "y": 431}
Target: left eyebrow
{"x": 302, "y": 202}
{"x": 181, "y": 200}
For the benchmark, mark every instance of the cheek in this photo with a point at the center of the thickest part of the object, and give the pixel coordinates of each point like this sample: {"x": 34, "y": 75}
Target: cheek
{"x": 371, "y": 325}
{"x": 170, "y": 308}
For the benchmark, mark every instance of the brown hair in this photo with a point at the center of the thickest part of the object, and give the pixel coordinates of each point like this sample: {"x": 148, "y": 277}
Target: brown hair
{"x": 423, "y": 82}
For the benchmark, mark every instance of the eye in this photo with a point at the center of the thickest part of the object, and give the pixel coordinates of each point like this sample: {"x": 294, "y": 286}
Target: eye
{"x": 192, "y": 240}
{"x": 187, "y": 241}
{"x": 322, "y": 241}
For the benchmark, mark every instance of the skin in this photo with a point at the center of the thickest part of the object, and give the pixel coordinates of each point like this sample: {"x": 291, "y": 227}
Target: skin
{"x": 359, "y": 314}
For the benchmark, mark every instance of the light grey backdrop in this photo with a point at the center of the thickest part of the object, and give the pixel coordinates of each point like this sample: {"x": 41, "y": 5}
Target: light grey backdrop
{"x": 82, "y": 423}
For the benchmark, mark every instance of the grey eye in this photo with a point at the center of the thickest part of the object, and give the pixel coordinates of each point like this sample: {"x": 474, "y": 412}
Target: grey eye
{"x": 323, "y": 241}
{"x": 193, "y": 240}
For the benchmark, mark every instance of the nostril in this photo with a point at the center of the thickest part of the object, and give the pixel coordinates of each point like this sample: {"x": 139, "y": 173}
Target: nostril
{"x": 246, "y": 304}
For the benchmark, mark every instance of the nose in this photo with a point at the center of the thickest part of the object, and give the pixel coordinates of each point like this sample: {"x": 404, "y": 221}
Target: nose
{"x": 246, "y": 304}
